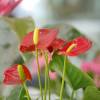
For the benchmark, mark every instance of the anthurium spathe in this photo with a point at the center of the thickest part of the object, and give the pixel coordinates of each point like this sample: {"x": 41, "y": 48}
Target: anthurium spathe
{"x": 57, "y": 44}
{"x": 6, "y": 6}
{"x": 13, "y": 76}
{"x": 77, "y": 46}
{"x": 45, "y": 38}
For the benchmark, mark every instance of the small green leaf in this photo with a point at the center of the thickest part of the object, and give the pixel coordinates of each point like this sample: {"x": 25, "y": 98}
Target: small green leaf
{"x": 76, "y": 78}
{"x": 91, "y": 93}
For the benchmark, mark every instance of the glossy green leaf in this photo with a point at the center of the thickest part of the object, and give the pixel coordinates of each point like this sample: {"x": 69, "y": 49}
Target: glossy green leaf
{"x": 91, "y": 93}
{"x": 74, "y": 76}
{"x": 20, "y": 25}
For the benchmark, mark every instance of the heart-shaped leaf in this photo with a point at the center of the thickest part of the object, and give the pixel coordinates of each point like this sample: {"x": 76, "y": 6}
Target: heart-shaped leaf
{"x": 74, "y": 76}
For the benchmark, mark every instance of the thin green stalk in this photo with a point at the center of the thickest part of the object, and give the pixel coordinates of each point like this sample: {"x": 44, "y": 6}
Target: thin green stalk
{"x": 63, "y": 79}
{"x": 39, "y": 79}
{"x": 47, "y": 80}
{"x": 27, "y": 93}
{"x": 49, "y": 88}
{"x": 45, "y": 89}
{"x": 72, "y": 95}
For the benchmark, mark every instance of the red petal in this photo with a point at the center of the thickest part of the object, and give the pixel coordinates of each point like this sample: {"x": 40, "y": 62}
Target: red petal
{"x": 27, "y": 43}
{"x": 6, "y": 6}
{"x": 45, "y": 40}
{"x": 43, "y": 31}
{"x": 11, "y": 75}
{"x": 56, "y": 44}
{"x": 46, "y": 37}
{"x": 82, "y": 45}
{"x": 27, "y": 73}
{"x": 10, "y": 80}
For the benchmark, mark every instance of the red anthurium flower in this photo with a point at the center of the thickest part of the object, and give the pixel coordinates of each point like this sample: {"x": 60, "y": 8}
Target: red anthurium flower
{"x": 6, "y": 6}
{"x": 11, "y": 75}
{"x": 46, "y": 37}
{"x": 76, "y": 46}
{"x": 56, "y": 44}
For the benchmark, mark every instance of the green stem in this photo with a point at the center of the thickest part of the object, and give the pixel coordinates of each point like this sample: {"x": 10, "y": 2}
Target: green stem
{"x": 27, "y": 93}
{"x": 72, "y": 95}
{"x": 24, "y": 84}
{"x": 63, "y": 79}
{"x": 49, "y": 88}
{"x": 47, "y": 80}
{"x": 39, "y": 79}
{"x": 46, "y": 74}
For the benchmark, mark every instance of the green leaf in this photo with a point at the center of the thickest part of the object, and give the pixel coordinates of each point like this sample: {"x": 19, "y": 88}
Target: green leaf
{"x": 74, "y": 76}
{"x": 91, "y": 93}
{"x": 26, "y": 56}
{"x": 66, "y": 31}
{"x": 73, "y": 33}
{"x": 20, "y": 25}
